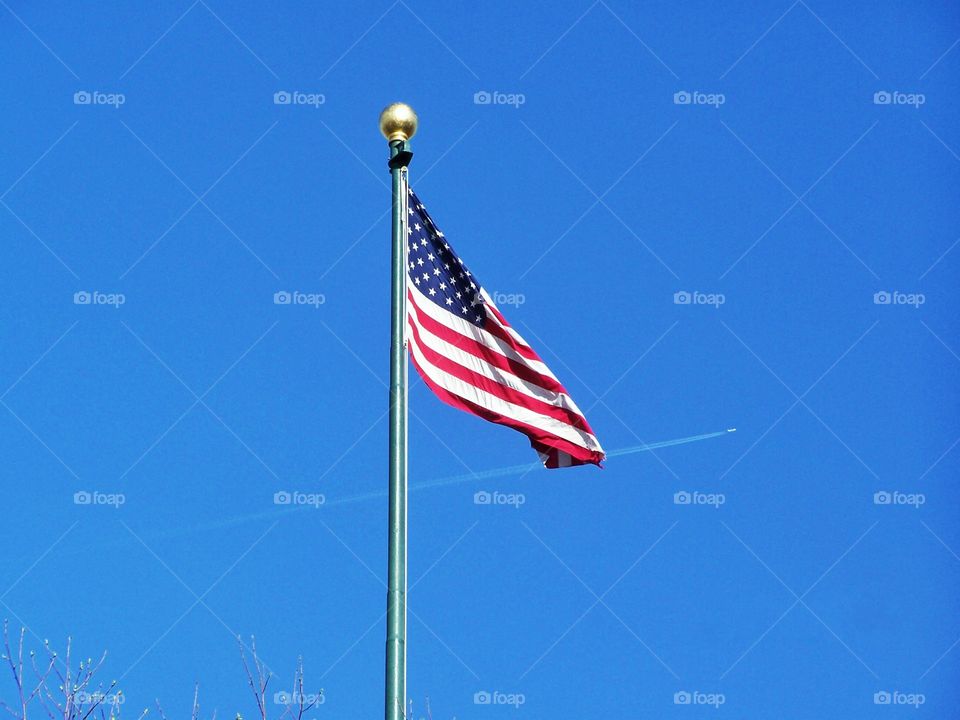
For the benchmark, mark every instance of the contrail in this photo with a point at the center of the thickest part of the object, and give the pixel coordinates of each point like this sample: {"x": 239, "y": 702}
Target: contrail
{"x": 527, "y": 467}
{"x": 439, "y": 482}
{"x": 668, "y": 443}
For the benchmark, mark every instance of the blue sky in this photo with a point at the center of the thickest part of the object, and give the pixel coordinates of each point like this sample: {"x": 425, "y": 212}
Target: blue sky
{"x": 792, "y": 168}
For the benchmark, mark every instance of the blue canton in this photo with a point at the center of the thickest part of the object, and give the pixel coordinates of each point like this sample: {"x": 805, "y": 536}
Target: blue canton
{"x": 435, "y": 269}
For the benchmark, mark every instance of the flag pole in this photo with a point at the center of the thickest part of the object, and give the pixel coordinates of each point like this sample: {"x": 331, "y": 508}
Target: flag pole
{"x": 398, "y": 123}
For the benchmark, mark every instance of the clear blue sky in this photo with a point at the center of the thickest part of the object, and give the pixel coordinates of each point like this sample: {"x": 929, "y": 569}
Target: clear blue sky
{"x": 785, "y": 186}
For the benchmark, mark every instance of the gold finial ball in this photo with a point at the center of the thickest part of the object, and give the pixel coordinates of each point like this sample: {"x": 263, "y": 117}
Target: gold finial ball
{"x": 398, "y": 122}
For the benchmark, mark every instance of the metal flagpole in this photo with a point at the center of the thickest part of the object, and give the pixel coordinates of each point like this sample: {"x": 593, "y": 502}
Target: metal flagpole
{"x": 398, "y": 123}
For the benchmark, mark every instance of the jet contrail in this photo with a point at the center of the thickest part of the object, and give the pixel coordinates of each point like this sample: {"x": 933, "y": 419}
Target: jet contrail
{"x": 668, "y": 443}
{"x": 527, "y": 467}
{"x": 439, "y": 482}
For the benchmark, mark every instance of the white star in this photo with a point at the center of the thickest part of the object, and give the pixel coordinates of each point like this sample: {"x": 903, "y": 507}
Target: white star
{"x": 433, "y": 291}
{"x": 449, "y": 301}
{"x": 419, "y": 262}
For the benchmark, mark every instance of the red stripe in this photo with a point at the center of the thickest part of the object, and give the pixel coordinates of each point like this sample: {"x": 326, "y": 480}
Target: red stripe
{"x": 553, "y": 460}
{"x": 499, "y": 316}
{"x": 478, "y": 349}
{"x": 498, "y": 329}
{"x": 471, "y": 377}
{"x": 541, "y": 440}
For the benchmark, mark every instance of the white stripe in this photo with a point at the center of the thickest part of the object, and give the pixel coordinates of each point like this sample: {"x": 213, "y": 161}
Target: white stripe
{"x": 502, "y": 407}
{"x": 497, "y": 375}
{"x": 495, "y": 404}
{"x": 516, "y": 336}
{"x": 464, "y": 327}
{"x": 509, "y": 330}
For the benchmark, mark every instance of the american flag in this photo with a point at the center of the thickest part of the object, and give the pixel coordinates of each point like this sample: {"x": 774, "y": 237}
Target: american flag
{"x": 473, "y": 360}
